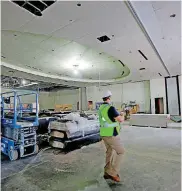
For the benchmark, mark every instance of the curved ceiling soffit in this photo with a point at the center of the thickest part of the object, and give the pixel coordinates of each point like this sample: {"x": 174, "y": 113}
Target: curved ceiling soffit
{"x": 125, "y": 72}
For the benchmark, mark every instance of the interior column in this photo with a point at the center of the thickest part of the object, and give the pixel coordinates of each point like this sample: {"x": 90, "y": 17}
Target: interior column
{"x": 83, "y": 105}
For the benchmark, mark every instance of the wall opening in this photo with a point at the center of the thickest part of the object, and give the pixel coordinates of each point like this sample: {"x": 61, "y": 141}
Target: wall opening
{"x": 159, "y": 105}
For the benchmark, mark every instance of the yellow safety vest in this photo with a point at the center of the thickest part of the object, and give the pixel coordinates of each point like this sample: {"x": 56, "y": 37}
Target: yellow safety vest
{"x": 106, "y": 125}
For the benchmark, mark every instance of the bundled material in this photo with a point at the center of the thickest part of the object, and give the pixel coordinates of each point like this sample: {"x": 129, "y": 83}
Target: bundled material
{"x": 75, "y": 129}
{"x": 72, "y": 126}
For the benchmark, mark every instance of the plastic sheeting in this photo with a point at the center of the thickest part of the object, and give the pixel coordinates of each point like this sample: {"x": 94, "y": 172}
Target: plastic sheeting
{"x": 75, "y": 126}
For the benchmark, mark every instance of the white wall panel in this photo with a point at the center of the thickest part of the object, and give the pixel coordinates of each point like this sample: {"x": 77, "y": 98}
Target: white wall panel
{"x": 46, "y": 100}
{"x": 66, "y": 97}
{"x": 134, "y": 92}
{"x": 121, "y": 93}
{"x": 172, "y": 95}
{"x": 179, "y": 79}
{"x": 147, "y": 96}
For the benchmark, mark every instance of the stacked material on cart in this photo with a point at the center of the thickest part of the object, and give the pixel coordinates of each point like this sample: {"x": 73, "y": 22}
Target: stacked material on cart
{"x": 70, "y": 127}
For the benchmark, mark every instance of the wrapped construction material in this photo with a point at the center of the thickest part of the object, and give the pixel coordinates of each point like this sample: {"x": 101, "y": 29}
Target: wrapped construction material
{"x": 74, "y": 126}
{"x": 70, "y": 127}
{"x": 75, "y": 129}
{"x": 93, "y": 117}
{"x": 73, "y": 117}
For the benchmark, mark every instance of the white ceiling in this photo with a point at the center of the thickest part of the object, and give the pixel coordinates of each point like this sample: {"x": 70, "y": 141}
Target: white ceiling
{"x": 28, "y": 40}
{"x": 165, "y": 31}
{"x": 58, "y": 56}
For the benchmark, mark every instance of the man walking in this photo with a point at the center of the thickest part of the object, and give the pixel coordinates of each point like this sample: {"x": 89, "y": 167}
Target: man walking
{"x": 109, "y": 120}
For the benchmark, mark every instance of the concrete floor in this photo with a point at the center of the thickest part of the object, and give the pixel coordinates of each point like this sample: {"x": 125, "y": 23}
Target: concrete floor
{"x": 151, "y": 163}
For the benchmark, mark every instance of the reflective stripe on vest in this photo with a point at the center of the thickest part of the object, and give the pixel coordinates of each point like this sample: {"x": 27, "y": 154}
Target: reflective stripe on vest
{"x": 114, "y": 124}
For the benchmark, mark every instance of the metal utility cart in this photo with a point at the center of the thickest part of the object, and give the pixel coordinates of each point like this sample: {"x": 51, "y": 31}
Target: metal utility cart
{"x": 18, "y": 132}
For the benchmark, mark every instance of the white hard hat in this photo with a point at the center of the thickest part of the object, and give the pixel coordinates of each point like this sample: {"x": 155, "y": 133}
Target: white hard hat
{"x": 107, "y": 94}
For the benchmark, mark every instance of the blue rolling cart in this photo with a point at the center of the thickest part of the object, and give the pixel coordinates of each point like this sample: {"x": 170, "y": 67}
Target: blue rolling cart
{"x": 18, "y": 133}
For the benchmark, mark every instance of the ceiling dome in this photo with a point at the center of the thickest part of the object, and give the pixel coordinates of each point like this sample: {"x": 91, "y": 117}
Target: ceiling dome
{"x": 60, "y": 57}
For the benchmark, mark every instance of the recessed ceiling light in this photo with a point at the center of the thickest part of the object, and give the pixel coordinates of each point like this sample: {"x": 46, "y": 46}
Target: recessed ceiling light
{"x": 75, "y": 71}
{"x": 142, "y": 54}
{"x": 173, "y": 15}
{"x": 121, "y": 63}
{"x": 142, "y": 69}
{"x": 122, "y": 73}
{"x": 23, "y": 82}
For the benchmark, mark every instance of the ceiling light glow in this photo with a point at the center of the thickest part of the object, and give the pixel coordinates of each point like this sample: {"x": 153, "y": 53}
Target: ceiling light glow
{"x": 75, "y": 72}
{"x": 23, "y": 82}
{"x": 80, "y": 64}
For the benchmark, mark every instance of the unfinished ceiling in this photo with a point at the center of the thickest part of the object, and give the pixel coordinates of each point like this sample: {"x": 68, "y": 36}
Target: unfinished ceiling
{"x": 11, "y": 82}
{"x": 93, "y": 42}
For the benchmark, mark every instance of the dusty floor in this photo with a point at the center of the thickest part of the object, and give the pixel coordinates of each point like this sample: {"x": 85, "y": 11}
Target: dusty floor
{"x": 152, "y": 163}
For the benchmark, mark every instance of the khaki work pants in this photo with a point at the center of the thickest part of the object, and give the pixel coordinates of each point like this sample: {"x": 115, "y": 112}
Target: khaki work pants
{"x": 114, "y": 155}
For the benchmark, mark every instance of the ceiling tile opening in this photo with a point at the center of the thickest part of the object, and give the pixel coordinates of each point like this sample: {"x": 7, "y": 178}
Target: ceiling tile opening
{"x": 49, "y": 3}
{"x": 42, "y": 6}
{"x": 79, "y": 4}
{"x": 103, "y": 38}
{"x": 34, "y": 7}
{"x": 20, "y": 3}
{"x": 143, "y": 54}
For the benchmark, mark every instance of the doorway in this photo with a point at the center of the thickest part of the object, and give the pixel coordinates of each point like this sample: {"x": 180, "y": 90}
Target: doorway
{"x": 159, "y": 105}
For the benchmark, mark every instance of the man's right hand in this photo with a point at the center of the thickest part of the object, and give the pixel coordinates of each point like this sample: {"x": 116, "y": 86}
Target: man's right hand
{"x": 120, "y": 118}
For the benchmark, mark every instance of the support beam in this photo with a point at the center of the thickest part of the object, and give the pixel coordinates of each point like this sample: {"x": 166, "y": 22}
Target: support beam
{"x": 83, "y": 105}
